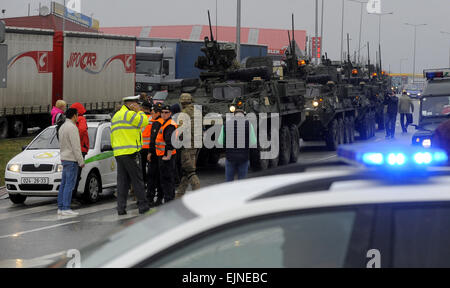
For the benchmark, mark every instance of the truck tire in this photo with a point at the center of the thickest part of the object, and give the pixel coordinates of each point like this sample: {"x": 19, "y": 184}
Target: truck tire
{"x": 352, "y": 129}
{"x": 347, "y": 129}
{"x": 341, "y": 131}
{"x": 285, "y": 146}
{"x": 364, "y": 129}
{"x": 92, "y": 188}
{"x": 256, "y": 163}
{"x": 295, "y": 143}
{"x": 16, "y": 128}
{"x": 3, "y": 128}
{"x": 17, "y": 198}
{"x": 332, "y": 138}
{"x": 273, "y": 163}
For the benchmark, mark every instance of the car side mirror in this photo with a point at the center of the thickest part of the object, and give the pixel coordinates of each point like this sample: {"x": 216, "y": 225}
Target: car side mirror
{"x": 106, "y": 148}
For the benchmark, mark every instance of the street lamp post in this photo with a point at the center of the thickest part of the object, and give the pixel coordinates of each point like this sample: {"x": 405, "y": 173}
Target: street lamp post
{"x": 415, "y": 44}
{"x": 379, "y": 29}
{"x": 238, "y": 32}
{"x": 448, "y": 34}
{"x": 342, "y": 31}
{"x": 360, "y": 26}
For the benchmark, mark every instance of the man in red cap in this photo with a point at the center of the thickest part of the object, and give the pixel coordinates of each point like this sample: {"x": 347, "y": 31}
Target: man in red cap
{"x": 84, "y": 137}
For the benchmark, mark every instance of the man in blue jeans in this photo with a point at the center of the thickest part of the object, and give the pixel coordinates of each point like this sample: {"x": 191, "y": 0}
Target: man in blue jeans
{"x": 238, "y": 129}
{"x": 71, "y": 158}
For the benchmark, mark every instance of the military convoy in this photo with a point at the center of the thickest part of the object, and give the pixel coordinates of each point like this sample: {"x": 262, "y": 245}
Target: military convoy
{"x": 327, "y": 102}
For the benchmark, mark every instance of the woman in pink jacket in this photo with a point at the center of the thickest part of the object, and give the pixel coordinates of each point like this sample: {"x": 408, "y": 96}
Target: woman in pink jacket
{"x": 58, "y": 110}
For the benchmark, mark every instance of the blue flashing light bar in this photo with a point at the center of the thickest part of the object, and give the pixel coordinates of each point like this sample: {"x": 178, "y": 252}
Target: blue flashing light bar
{"x": 399, "y": 157}
{"x": 436, "y": 73}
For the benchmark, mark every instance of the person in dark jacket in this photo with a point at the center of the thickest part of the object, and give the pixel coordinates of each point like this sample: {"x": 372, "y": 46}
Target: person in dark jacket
{"x": 84, "y": 138}
{"x": 237, "y": 153}
{"x": 391, "y": 101}
{"x": 441, "y": 137}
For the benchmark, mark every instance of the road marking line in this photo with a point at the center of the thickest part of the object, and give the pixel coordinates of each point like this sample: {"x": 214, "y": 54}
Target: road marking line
{"x": 27, "y": 211}
{"x": 15, "y": 235}
{"x": 81, "y": 212}
{"x": 327, "y": 158}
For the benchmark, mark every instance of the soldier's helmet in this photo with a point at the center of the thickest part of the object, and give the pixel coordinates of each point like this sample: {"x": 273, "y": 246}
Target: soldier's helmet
{"x": 186, "y": 98}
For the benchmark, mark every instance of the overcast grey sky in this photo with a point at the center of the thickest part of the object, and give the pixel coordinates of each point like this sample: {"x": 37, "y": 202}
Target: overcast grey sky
{"x": 397, "y": 38}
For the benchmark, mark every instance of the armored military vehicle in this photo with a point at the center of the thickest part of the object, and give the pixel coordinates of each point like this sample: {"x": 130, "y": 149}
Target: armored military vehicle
{"x": 329, "y": 110}
{"x": 223, "y": 84}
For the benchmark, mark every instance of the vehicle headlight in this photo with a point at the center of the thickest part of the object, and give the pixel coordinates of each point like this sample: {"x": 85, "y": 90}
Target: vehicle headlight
{"x": 14, "y": 168}
{"x": 409, "y": 94}
{"x": 426, "y": 143}
{"x": 232, "y": 109}
{"x": 59, "y": 168}
{"x": 315, "y": 103}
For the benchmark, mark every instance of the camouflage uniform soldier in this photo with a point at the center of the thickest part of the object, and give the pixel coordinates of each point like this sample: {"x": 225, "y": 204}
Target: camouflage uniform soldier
{"x": 188, "y": 155}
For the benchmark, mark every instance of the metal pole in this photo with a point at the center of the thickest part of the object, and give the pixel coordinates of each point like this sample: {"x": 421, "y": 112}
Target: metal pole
{"x": 321, "y": 32}
{"x": 316, "y": 32}
{"x": 238, "y": 32}
{"x": 29, "y": 4}
{"x": 342, "y": 31}
{"x": 414, "y": 65}
{"x": 360, "y": 32}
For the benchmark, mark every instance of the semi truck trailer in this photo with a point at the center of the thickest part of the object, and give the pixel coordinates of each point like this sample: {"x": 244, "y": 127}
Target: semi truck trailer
{"x": 164, "y": 63}
{"x": 44, "y": 66}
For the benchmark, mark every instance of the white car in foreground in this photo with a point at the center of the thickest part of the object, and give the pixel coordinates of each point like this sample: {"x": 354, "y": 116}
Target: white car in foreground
{"x": 337, "y": 217}
{"x": 37, "y": 170}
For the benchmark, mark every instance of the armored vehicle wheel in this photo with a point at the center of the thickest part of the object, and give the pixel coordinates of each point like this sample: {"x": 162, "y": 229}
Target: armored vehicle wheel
{"x": 295, "y": 143}
{"x": 256, "y": 163}
{"x": 285, "y": 146}
{"x": 348, "y": 131}
{"x": 332, "y": 139}
{"x": 364, "y": 129}
{"x": 341, "y": 131}
{"x": 273, "y": 163}
{"x": 352, "y": 129}
{"x": 372, "y": 125}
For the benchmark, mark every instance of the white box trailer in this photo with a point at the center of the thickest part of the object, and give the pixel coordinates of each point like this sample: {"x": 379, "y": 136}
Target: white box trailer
{"x": 29, "y": 80}
{"x": 99, "y": 70}
{"x": 44, "y": 66}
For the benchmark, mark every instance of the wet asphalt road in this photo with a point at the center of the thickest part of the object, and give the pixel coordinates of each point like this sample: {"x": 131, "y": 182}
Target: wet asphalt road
{"x": 32, "y": 235}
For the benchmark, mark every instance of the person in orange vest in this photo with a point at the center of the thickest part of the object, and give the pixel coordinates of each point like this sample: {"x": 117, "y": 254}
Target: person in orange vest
{"x": 154, "y": 185}
{"x": 146, "y": 132}
{"x": 166, "y": 154}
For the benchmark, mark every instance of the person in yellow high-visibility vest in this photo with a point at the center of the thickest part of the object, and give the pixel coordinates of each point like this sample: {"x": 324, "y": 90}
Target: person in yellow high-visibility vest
{"x": 126, "y": 142}
{"x": 166, "y": 154}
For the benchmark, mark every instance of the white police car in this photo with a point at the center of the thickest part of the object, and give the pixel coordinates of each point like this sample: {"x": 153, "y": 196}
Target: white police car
{"x": 394, "y": 213}
{"x": 37, "y": 170}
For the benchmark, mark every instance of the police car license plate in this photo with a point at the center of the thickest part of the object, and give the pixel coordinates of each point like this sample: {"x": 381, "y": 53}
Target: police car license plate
{"x": 35, "y": 180}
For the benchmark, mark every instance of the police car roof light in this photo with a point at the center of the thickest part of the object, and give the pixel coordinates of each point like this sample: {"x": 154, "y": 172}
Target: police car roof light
{"x": 398, "y": 157}
{"x": 436, "y": 73}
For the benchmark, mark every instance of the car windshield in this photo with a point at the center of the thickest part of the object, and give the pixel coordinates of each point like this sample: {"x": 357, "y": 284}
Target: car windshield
{"x": 162, "y": 220}
{"x": 436, "y": 106}
{"x": 48, "y": 139}
{"x": 148, "y": 67}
